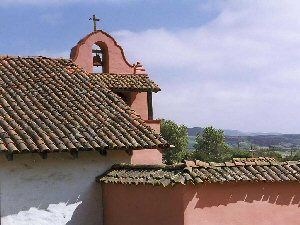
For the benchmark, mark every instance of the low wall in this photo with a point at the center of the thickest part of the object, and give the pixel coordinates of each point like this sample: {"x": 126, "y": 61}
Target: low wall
{"x": 242, "y": 204}
{"x": 146, "y": 205}
{"x": 55, "y": 190}
{"x": 208, "y": 204}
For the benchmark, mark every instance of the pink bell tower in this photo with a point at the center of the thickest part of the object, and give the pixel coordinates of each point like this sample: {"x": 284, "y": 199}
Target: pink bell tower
{"x": 100, "y": 49}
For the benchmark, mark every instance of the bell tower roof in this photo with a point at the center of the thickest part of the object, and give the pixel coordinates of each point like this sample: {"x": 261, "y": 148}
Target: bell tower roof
{"x": 113, "y": 60}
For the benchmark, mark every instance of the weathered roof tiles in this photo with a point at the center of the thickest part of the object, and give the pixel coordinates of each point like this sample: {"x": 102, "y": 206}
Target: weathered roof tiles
{"x": 49, "y": 105}
{"x": 259, "y": 170}
{"x": 126, "y": 82}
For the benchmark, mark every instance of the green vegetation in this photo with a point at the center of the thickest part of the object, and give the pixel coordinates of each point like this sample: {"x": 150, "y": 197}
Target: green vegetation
{"x": 176, "y": 135}
{"x": 294, "y": 157}
{"x": 211, "y": 145}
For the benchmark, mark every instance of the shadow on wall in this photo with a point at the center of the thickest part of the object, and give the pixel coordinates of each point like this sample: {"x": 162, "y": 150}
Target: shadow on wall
{"x": 88, "y": 212}
{"x": 209, "y": 195}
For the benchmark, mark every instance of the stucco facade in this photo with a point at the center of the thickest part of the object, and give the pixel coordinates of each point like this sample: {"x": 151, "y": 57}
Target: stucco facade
{"x": 139, "y": 104}
{"x": 115, "y": 62}
{"x": 207, "y": 204}
{"x": 147, "y": 156}
{"x": 142, "y": 204}
{"x": 81, "y": 54}
{"x": 32, "y": 182}
{"x": 56, "y": 106}
{"x": 243, "y": 204}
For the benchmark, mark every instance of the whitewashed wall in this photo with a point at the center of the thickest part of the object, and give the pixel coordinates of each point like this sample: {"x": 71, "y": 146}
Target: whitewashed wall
{"x": 55, "y": 190}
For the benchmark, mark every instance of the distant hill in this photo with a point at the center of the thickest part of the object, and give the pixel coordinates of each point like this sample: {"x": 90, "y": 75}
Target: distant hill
{"x": 195, "y": 130}
{"x": 283, "y": 140}
{"x": 233, "y": 137}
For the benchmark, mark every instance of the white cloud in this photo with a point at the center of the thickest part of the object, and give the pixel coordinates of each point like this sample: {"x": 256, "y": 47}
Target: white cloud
{"x": 240, "y": 70}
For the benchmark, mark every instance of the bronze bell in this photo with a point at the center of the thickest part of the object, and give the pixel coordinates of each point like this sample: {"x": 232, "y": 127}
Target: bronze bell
{"x": 97, "y": 61}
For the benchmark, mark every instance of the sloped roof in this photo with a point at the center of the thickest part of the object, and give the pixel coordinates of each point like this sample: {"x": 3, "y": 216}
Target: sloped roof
{"x": 129, "y": 82}
{"x": 51, "y": 105}
{"x": 261, "y": 170}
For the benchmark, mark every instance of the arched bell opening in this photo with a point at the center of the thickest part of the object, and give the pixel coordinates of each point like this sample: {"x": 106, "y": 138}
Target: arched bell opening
{"x": 100, "y": 58}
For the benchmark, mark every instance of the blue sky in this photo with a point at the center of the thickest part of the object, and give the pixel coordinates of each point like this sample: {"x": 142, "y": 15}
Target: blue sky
{"x": 227, "y": 63}
{"x": 27, "y": 27}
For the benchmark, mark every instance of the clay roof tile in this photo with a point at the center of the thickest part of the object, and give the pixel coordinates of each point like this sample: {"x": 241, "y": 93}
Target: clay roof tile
{"x": 204, "y": 172}
{"x": 51, "y": 105}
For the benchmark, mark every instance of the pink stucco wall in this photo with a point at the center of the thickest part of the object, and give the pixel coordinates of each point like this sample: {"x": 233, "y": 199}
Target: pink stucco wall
{"x": 81, "y": 54}
{"x": 209, "y": 204}
{"x": 136, "y": 205}
{"x": 242, "y": 204}
{"x": 146, "y": 157}
{"x": 139, "y": 104}
{"x": 154, "y": 124}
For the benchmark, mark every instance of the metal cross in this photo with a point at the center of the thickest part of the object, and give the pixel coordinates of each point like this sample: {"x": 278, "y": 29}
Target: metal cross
{"x": 95, "y": 20}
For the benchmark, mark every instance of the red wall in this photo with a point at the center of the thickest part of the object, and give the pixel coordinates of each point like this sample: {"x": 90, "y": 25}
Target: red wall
{"x": 146, "y": 157}
{"x": 209, "y": 204}
{"x": 141, "y": 205}
{"x": 242, "y": 204}
{"x": 139, "y": 104}
{"x": 154, "y": 124}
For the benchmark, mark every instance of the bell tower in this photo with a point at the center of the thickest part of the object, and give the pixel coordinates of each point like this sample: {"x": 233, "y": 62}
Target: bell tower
{"x": 100, "y": 49}
{"x": 103, "y": 58}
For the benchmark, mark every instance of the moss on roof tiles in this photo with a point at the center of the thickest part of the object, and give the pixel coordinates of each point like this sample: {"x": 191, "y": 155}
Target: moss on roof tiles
{"x": 201, "y": 172}
{"x": 123, "y": 82}
{"x": 51, "y": 105}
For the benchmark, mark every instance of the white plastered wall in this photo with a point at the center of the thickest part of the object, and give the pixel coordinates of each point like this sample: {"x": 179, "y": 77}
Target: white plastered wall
{"x": 55, "y": 190}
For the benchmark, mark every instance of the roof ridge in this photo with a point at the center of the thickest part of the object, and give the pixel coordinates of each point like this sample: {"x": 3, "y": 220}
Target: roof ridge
{"x": 259, "y": 162}
{"x": 145, "y": 166}
{"x": 190, "y": 173}
{"x": 195, "y": 164}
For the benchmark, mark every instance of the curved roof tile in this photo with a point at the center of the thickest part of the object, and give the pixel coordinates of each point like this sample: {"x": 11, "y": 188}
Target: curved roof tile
{"x": 126, "y": 82}
{"x": 253, "y": 170}
{"x": 49, "y": 105}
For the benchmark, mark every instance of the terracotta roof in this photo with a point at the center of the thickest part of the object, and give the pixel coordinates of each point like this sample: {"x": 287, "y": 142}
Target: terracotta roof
{"x": 132, "y": 82}
{"x": 51, "y": 105}
{"x": 255, "y": 170}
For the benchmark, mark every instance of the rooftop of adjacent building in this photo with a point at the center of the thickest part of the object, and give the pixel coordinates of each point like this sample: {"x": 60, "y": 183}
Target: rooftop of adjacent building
{"x": 197, "y": 172}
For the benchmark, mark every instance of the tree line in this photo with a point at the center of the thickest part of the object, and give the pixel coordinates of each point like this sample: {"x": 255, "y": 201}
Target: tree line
{"x": 209, "y": 145}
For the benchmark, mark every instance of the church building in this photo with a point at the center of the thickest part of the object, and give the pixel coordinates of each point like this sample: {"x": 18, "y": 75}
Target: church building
{"x": 65, "y": 121}
{"x": 79, "y": 146}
